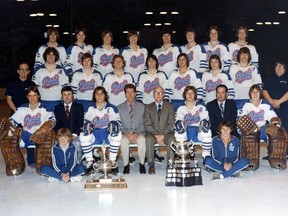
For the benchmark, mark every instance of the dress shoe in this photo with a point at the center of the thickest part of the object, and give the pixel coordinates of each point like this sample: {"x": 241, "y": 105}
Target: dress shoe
{"x": 126, "y": 169}
{"x": 142, "y": 169}
{"x": 151, "y": 170}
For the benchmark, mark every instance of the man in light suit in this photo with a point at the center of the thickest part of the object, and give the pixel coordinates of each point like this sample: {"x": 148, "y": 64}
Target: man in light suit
{"x": 159, "y": 119}
{"x": 133, "y": 131}
{"x": 228, "y": 113}
{"x": 69, "y": 114}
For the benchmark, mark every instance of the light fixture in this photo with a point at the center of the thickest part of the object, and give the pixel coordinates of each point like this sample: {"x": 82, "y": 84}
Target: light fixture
{"x": 53, "y": 14}
{"x": 174, "y": 32}
{"x": 65, "y": 33}
{"x": 276, "y": 23}
{"x": 268, "y": 23}
{"x": 56, "y": 26}
{"x": 168, "y": 24}
{"x": 281, "y": 12}
{"x": 175, "y": 12}
{"x": 20, "y": 0}
{"x": 125, "y": 32}
{"x": 147, "y": 24}
{"x": 33, "y": 15}
{"x": 48, "y": 25}
{"x": 163, "y": 12}
{"x": 40, "y": 14}
{"x": 149, "y": 13}
{"x": 259, "y": 23}
{"x": 251, "y": 30}
{"x": 158, "y": 24}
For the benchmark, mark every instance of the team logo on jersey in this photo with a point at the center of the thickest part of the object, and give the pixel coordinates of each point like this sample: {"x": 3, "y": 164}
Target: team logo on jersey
{"x": 86, "y": 86}
{"x": 163, "y": 59}
{"x": 135, "y": 61}
{"x": 190, "y": 56}
{"x": 242, "y": 76}
{"x": 213, "y": 52}
{"x": 117, "y": 87}
{"x": 150, "y": 85}
{"x": 190, "y": 119}
{"x": 79, "y": 59}
{"x": 179, "y": 82}
{"x": 257, "y": 116}
{"x": 231, "y": 147}
{"x": 211, "y": 86}
{"x": 106, "y": 59}
{"x": 234, "y": 55}
{"x": 49, "y": 82}
{"x": 101, "y": 122}
{"x": 31, "y": 121}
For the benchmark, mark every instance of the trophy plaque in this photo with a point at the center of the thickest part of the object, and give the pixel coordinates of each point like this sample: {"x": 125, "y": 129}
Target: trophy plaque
{"x": 181, "y": 173}
{"x": 105, "y": 181}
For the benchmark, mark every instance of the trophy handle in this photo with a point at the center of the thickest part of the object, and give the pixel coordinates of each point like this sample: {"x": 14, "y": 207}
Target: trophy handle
{"x": 173, "y": 146}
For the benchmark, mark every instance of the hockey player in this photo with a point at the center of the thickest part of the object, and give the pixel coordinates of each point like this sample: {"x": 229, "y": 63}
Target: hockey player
{"x": 101, "y": 116}
{"x": 216, "y": 47}
{"x": 195, "y": 52}
{"x": 150, "y": 79}
{"x": 234, "y": 47}
{"x": 210, "y": 80}
{"x": 244, "y": 76}
{"x": 31, "y": 116}
{"x": 167, "y": 53}
{"x": 192, "y": 121}
{"x": 134, "y": 55}
{"x": 53, "y": 37}
{"x": 103, "y": 55}
{"x": 76, "y": 51}
{"x": 85, "y": 80}
{"x": 181, "y": 78}
{"x": 115, "y": 81}
{"x": 50, "y": 79}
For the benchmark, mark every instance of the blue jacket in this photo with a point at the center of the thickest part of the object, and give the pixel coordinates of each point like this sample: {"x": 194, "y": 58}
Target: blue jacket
{"x": 225, "y": 154}
{"x": 64, "y": 162}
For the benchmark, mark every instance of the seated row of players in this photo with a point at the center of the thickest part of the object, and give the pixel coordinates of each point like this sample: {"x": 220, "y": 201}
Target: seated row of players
{"x": 51, "y": 78}
{"x": 135, "y": 55}
{"x": 156, "y": 119}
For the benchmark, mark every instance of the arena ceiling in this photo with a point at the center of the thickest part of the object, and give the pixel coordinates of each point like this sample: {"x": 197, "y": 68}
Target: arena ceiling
{"x": 21, "y": 34}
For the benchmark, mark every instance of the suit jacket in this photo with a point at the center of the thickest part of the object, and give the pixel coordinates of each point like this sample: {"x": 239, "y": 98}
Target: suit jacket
{"x": 166, "y": 122}
{"x": 75, "y": 120}
{"x": 137, "y": 124}
{"x": 230, "y": 114}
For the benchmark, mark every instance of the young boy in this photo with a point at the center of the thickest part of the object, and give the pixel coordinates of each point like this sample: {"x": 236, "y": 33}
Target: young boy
{"x": 64, "y": 160}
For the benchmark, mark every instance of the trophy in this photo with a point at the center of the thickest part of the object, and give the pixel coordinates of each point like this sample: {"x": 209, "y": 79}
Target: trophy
{"x": 181, "y": 172}
{"x": 104, "y": 182}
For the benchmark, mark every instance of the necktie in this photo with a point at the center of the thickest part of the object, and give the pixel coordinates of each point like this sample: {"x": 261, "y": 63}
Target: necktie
{"x": 67, "y": 111}
{"x": 131, "y": 112}
{"x": 159, "y": 111}
{"x": 222, "y": 109}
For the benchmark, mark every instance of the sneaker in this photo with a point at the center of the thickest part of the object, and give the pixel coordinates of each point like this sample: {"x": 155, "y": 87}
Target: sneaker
{"x": 215, "y": 175}
{"x": 76, "y": 178}
{"x": 266, "y": 157}
{"x": 237, "y": 175}
{"x": 51, "y": 179}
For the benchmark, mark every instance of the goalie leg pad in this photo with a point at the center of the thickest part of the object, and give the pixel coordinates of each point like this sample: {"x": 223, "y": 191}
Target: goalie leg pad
{"x": 277, "y": 146}
{"x": 43, "y": 151}
{"x": 15, "y": 163}
{"x": 250, "y": 148}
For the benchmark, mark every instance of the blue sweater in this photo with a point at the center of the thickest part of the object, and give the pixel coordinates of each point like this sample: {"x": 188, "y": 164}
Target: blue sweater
{"x": 64, "y": 162}
{"x": 225, "y": 154}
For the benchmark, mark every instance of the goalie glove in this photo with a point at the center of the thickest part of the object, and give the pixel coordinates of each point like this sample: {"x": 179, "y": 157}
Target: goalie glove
{"x": 114, "y": 128}
{"x": 204, "y": 126}
{"x": 179, "y": 127}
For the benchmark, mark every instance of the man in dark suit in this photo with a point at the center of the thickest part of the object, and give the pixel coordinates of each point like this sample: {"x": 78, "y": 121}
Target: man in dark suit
{"x": 159, "y": 119}
{"x": 222, "y": 109}
{"x": 69, "y": 114}
{"x": 133, "y": 131}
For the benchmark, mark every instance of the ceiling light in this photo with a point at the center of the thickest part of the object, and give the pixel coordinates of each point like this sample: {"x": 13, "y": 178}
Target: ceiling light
{"x": 53, "y": 14}
{"x": 175, "y": 12}
{"x": 125, "y": 32}
{"x": 163, "y": 12}
{"x": 281, "y": 12}
{"x": 48, "y": 25}
{"x": 259, "y": 23}
{"x": 20, "y": 0}
{"x": 147, "y": 24}
{"x": 149, "y": 12}
{"x": 65, "y": 33}
{"x": 56, "y": 26}
{"x": 40, "y": 14}
{"x": 268, "y": 23}
{"x": 174, "y": 32}
{"x": 33, "y": 15}
{"x": 167, "y": 23}
{"x": 276, "y": 23}
{"x": 251, "y": 30}
{"x": 158, "y": 24}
